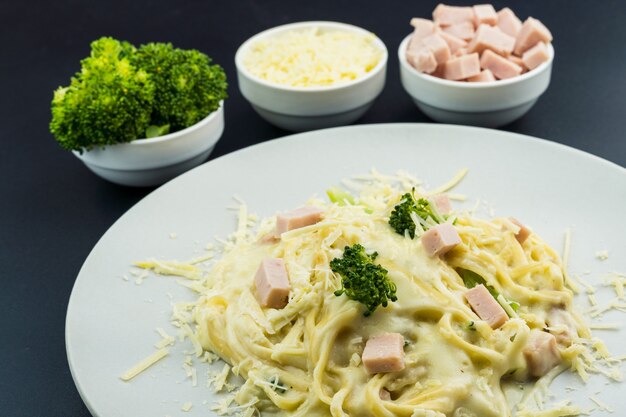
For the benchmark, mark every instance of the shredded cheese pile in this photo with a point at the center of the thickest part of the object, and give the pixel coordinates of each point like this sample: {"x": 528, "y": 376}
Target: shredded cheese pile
{"x": 313, "y": 57}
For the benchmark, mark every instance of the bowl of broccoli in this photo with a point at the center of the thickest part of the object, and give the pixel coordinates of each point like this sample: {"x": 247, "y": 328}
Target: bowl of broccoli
{"x": 140, "y": 116}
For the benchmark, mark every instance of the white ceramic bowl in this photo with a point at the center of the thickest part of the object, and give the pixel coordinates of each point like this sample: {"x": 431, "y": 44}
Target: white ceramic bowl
{"x": 488, "y": 104}
{"x": 149, "y": 162}
{"x": 308, "y": 108}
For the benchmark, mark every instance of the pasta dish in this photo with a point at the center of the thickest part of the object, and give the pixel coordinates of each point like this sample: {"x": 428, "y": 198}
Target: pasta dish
{"x": 385, "y": 301}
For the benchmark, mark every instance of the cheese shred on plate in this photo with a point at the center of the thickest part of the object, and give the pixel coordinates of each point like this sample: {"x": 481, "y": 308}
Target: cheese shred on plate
{"x": 144, "y": 364}
{"x": 313, "y": 57}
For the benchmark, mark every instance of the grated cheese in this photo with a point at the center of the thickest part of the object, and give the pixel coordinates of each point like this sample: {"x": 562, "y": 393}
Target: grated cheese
{"x": 602, "y": 406}
{"x": 144, "y": 364}
{"x": 355, "y": 359}
{"x": 313, "y": 57}
{"x": 592, "y": 299}
{"x": 218, "y": 379}
{"x": 604, "y": 326}
{"x": 566, "y": 249}
{"x": 450, "y": 184}
{"x": 602, "y": 255}
{"x": 174, "y": 268}
{"x": 186, "y": 407}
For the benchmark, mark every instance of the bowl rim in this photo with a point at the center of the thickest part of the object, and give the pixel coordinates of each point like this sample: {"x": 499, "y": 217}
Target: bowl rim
{"x": 463, "y": 84}
{"x": 243, "y": 48}
{"x": 174, "y": 135}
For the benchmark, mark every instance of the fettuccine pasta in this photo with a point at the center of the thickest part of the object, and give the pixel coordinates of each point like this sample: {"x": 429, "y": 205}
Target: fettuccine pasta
{"x": 307, "y": 358}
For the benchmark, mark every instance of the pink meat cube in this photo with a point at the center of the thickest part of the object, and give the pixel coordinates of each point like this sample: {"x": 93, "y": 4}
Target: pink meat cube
{"x": 517, "y": 61}
{"x": 422, "y": 59}
{"x": 440, "y": 239}
{"x": 485, "y": 14}
{"x": 484, "y": 76}
{"x": 508, "y": 22}
{"x": 453, "y": 42}
{"x": 442, "y": 202}
{"x": 272, "y": 283}
{"x": 532, "y": 31}
{"x": 462, "y": 67}
{"x": 485, "y": 306}
{"x": 501, "y": 67}
{"x": 489, "y": 37}
{"x": 300, "y": 217}
{"x": 523, "y": 232}
{"x": 460, "y": 52}
{"x": 536, "y": 56}
{"x": 541, "y": 353}
{"x": 384, "y": 353}
{"x": 439, "y": 71}
{"x": 449, "y": 15}
{"x": 423, "y": 28}
{"x": 463, "y": 30}
{"x": 438, "y": 46}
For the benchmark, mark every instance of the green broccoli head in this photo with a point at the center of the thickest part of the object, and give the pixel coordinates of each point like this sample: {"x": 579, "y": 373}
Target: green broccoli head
{"x": 187, "y": 86}
{"x": 109, "y": 101}
{"x": 123, "y": 93}
{"x": 401, "y": 220}
{"x": 362, "y": 280}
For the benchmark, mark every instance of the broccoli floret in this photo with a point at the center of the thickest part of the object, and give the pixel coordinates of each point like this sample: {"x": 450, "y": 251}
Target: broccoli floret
{"x": 401, "y": 220}
{"x": 362, "y": 280}
{"x": 187, "y": 87}
{"x": 123, "y": 93}
{"x": 108, "y": 101}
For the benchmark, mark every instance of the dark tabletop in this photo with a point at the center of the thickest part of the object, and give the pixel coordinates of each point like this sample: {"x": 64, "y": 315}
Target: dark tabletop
{"x": 53, "y": 210}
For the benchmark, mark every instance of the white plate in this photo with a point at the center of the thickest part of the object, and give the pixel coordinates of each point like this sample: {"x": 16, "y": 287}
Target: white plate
{"x": 110, "y": 321}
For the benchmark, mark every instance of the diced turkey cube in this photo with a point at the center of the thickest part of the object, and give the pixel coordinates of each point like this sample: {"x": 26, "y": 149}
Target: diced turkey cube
{"x": 422, "y": 59}
{"x": 508, "y": 22}
{"x": 453, "y": 42}
{"x": 460, "y": 52}
{"x": 523, "y": 233}
{"x": 463, "y": 30}
{"x": 462, "y": 67}
{"x": 438, "y": 46}
{"x": 485, "y": 13}
{"x": 501, "y": 67}
{"x": 532, "y": 31}
{"x": 300, "y": 217}
{"x": 440, "y": 239}
{"x": 485, "y": 306}
{"x": 449, "y": 15}
{"x": 517, "y": 61}
{"x": 484, "y": 76}
{"x": 439, "y": 71}
{"x": 384, "y": 353}
{"x": 423, "y": 28}
{"x": 541, "y": 353}
{"x": 442, "y": 202}
{"x": 272, "y": 283}
{"x": 536, "y": 55}
{"x": 489, "y": 37}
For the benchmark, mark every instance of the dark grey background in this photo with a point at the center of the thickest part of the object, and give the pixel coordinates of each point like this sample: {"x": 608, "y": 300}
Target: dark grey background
{"x": 53, "y": 211}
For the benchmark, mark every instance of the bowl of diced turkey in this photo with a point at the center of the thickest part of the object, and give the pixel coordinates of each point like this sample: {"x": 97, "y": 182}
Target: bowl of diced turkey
{"x": 475, "y": 65}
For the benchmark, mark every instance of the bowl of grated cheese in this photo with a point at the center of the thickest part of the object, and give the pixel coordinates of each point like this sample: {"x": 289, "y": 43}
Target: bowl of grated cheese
{"x": 311, "y": 75}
